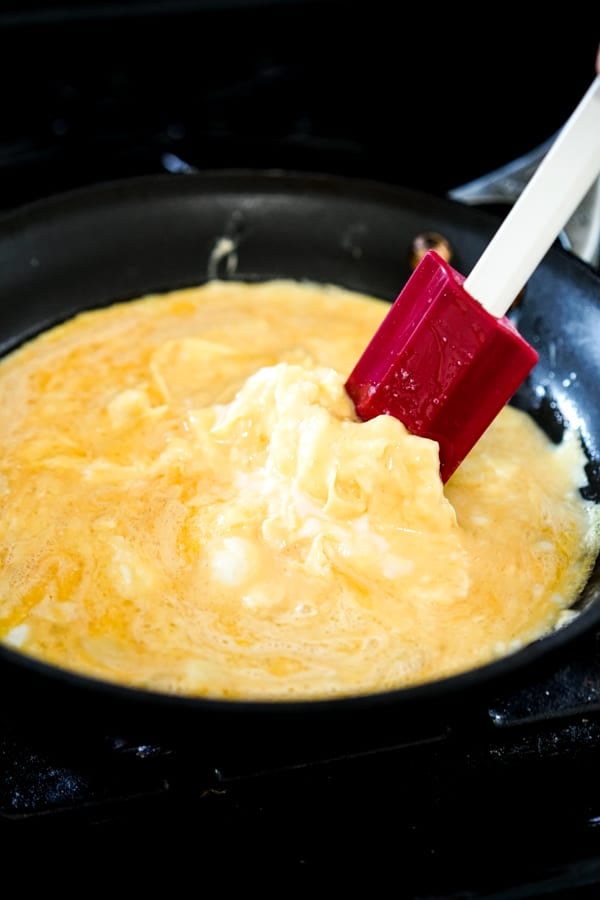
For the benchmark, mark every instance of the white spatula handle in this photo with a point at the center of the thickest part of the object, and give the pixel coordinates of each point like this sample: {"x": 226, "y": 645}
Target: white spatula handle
{"x": 547, "y": 202}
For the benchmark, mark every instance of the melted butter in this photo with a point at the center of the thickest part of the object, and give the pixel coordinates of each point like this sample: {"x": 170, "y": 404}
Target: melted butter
{"x": 190, "y": 504}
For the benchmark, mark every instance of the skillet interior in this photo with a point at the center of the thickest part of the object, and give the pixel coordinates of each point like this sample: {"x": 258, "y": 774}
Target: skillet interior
{"x": 88, "y": 248}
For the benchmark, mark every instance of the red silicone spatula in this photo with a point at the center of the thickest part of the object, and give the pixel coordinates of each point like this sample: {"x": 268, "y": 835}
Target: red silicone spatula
{"x": 446, "y": 359}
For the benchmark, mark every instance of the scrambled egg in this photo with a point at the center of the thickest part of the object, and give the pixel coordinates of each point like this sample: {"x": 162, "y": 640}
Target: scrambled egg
{"x": 190, "y": 504}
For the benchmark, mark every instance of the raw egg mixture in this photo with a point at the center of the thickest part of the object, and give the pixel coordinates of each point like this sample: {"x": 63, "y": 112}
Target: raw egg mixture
{"x": 190, "y": 504}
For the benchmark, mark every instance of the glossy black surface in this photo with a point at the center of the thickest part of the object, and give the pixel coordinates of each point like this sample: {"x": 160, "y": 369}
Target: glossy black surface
{"x": 95, "y": 90}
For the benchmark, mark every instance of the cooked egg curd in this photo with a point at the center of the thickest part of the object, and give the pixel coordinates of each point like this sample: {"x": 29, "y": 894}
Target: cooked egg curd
{"x": 190, "y": 504}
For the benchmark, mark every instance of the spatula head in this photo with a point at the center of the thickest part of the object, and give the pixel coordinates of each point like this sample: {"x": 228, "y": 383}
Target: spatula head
{"x": 440, "y": 363}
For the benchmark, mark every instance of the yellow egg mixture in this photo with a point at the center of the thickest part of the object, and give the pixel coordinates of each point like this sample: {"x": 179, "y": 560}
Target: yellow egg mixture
{"x": 190, "y": 504}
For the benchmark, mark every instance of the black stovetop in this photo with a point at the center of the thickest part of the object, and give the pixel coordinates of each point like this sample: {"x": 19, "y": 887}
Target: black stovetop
{"x": 507, "y": 805}
{"x": 504, "y": 804}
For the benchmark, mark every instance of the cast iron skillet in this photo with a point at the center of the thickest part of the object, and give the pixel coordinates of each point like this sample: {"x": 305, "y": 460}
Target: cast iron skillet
{"x": 113, "y": 242}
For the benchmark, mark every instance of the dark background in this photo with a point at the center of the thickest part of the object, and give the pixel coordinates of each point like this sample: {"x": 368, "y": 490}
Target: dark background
{"x": 419, "y": 96}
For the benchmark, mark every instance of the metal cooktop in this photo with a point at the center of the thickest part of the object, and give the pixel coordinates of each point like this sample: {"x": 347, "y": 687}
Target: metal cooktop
{"x": 507, "y": 804}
